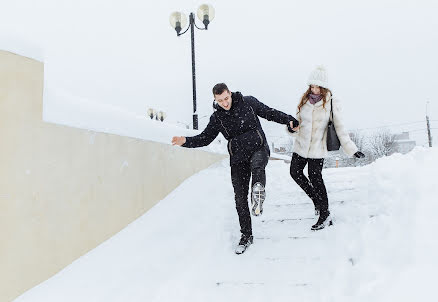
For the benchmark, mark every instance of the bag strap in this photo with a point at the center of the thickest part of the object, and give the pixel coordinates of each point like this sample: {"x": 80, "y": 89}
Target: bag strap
{"x": 331, "y": 108}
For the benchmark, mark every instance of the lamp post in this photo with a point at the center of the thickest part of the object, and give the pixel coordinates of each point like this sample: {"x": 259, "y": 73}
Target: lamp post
{"x": 429, "y": 136}
{"x": 178, "y": 21}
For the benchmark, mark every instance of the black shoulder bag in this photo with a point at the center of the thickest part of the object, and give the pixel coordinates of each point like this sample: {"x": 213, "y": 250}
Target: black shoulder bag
{"x": 333, "y": 143}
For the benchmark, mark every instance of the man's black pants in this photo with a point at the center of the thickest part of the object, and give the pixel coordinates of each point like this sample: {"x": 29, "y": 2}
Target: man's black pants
{"x": 314, "y": 186}
{"x": 240, "y": 176}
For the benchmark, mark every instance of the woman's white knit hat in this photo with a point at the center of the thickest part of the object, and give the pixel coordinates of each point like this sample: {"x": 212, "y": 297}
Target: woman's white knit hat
{"x": 318, "y": 77}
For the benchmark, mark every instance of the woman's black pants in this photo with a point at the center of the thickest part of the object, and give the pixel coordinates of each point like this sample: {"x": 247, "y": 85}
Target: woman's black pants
{"x": 314, "y": 185}
{"x": 240, "y": 176}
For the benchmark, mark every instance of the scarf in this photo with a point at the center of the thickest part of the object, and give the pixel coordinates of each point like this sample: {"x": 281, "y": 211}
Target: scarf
{"x": 314, "y": 98}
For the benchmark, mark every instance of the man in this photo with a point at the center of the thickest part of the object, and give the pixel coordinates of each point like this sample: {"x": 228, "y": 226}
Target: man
{"x": 236, "y": 117}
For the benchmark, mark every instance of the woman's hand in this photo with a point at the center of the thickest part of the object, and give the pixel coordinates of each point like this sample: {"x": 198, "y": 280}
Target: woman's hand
{"x": 359, "y": 154}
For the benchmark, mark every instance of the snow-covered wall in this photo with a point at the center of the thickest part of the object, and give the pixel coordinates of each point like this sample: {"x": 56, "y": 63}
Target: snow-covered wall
{"x": 65, "y": 190}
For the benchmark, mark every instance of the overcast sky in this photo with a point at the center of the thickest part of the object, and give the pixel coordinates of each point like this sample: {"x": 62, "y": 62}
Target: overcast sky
{"x": 380, "y": 54}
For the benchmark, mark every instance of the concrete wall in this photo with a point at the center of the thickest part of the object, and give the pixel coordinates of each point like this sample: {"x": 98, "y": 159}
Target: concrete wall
{"x": 63, "y": 191}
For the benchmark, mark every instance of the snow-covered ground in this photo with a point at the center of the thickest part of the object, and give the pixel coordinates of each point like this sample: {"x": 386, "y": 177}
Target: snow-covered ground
{"x": 382, "y": 246}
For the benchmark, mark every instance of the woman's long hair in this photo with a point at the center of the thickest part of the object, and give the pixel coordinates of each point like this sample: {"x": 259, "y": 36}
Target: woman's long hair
{"x": 305, "y": 97}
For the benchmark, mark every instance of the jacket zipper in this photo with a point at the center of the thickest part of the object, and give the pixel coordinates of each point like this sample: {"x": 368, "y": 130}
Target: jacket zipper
{"x": 223, "y": 126}
{"x": 229, "y": 142}
{"x": 253, "y": 113}
{"x": 258, "y": 132}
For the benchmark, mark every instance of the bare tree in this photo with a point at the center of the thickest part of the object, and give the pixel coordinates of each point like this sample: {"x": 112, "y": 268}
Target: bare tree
{"x": 382, "y": 143}
{"x": 374, "y": 145}
{"x": 359, "y": 139}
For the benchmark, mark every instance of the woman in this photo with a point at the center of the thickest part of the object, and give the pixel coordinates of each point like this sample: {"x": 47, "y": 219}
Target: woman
{"x": 310, "y": 146}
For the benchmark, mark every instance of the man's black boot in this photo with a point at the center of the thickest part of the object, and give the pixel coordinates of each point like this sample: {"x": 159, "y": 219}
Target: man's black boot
{"x": 244, "y": 243}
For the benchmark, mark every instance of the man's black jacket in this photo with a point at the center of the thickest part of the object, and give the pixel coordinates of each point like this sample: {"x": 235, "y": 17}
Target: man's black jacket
{"x": 240, "y": 126}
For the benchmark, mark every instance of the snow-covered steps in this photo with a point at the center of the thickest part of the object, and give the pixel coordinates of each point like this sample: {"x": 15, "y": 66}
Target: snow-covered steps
{"x": 183, "y": 249}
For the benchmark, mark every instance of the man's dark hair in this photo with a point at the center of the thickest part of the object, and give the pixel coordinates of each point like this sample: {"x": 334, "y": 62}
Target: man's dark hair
{"x": 220, "y": 88}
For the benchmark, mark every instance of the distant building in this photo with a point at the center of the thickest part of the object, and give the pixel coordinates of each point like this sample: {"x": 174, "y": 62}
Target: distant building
{"x": 403, "y": 144}
{"x": 280, "y": 150}
{"x": 281, "y": 145}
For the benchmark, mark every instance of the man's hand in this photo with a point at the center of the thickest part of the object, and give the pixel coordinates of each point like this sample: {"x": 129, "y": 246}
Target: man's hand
{"x": 178, "y": 140}
{"x": 291, "y": 123}
{"x": 291, "y": 127}
{"x": 294, "y": 123}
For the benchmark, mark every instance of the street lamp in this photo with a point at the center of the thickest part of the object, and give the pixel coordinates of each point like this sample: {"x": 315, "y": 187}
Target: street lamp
{"x": 178, "y": 21}
{"x": 151, "y": 113}
{"x": 161, "y": 115}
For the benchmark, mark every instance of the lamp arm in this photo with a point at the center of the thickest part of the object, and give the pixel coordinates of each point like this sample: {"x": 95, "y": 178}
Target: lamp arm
{"x": 199, "y": 27}
{"x": 180, "y": 34}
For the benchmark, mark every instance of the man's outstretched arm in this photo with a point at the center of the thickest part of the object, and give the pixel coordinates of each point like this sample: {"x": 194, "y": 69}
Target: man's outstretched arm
{"x": 203, "y": 139}
{"x": 271, "y": 114}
